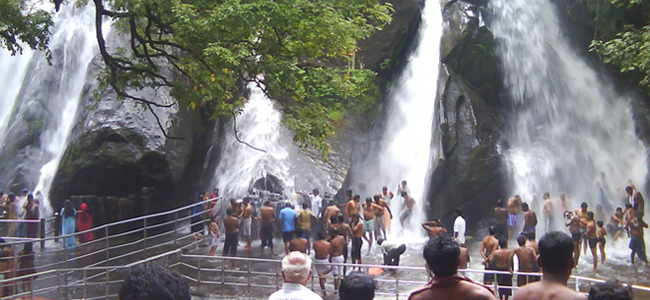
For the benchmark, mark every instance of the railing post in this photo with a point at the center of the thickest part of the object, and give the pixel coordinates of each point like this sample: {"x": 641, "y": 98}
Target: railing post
{"x": 175, "y": 227}
{"x": 496, "y": 284}
{"x": 108, "y": 280}
{"x": 396, "y": 284}
{"x": 84, "y": 283}
{"x": 42, "y": 235}
{"x": 577, "y": 284}
{"x": 144, "y": 221}
{"x": 198, "y": 278}
{"x": 108, "y": 244}
{"x": 223, "y": 271}
{"x": 249, "y": 274}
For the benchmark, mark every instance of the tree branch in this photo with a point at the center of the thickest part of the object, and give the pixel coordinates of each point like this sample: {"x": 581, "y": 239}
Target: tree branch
{"x": 234, "y": 122}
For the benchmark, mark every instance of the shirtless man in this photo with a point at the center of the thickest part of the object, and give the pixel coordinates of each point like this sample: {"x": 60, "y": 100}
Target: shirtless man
{"x": 352, "y": 207}
{"x": 548, "y": 212}
{"x": 615, "y": 225}
{"x": 434, "y": 228}
{"x": 582, "y": 215}
{"x": 357, "y": 242}
{"x": 345, "y": 231}
{"x": 246, "y": 222}
{"x": 501, "y": 215}
{"x": 574, "y": 229}
{"x": 403, "y": 188}
{"x": 386, "y": 195}
{"x": 409, "y": 202}
{"x": 501, "y": 260}
{"x": 514, "y": 206}
{"x": 556, "y": 260}
{"x": 299, "y": 243}
{"x": 637, "y": 243}
{"x": 590, "y": 236}
{"x": 526, "y": 257}
{"x": 267, "y": 215}
{"x": 232, "y": 234}
{"x": 336, "y": 256}
{"x": 564, "y": 202}
{"x": 331, "y": 210}
{"x": 322, "y": 249}
{"x": 530, "y": 218}
{"x": 636, "y": 199}
{"x": 531, "y": 241}
{"x": 463, "y": 260}
{"x": 370, "y": 209}
{"x": 380, "y": 222}
{"x": 442, "y": 257}
{"x": 488, "y": 245}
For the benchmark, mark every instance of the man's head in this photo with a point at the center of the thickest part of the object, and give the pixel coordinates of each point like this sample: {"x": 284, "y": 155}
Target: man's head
{"x": 355, "y": 217}
{"x": 499, "y": 203}
{"x": 517, "y": 197}
{"x": 305, "y": 205}
{"x": 216, "y": 191}
{"x": 600, "y": 223}
{"x": 296, "y": 268}
{"x": 629, "y": 190}
{"x": 384, "y": 189}
{"x": 590, "y": 215}
{"x": 268, "y": 203}
{"x": 556, "y": 253}
{"x": 442, "y": 255}
{"x": 546, "y": 196}
{"x": 531, "y": 235}
{"x": 334, "y": 219}
{"x": 376, "y": 198}
{"x": 404, "y": 194}
{"x": 229, "y": 211}
{"x": 247, "y": 200}
{"x": 25, "y": 192}
{"x": 584, "y": 206}
{"x": 348, "y": 193}
{"x": 368, "y": 200}
{"x": 503, "y": 243}
{"x": 521, "y": 240}
{"x": 458, "y": 212}
{"x": 619, "y": 209}
{"x": 357, "y": 286}
{"x": 403, "y": 182}
{"x": 524, "y": 206}
{"x": 154, "y": 282}
{"x": 320, "y": 235}
{"x": 315, "y": 192}
{"x": 492, "y": 230}
{"x": 340, "y": 218}
{"x": 356, "y": 198}
{"x": 610, "y": 290}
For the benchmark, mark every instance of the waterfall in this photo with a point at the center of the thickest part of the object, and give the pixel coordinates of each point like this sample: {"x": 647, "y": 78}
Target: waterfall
{"x": 10, "y": 80}
{"x": 406, "y": 152}
{"x": 571, "y": 131}
{"x": 73, "y": 47}
{"x": 283, "y": 163}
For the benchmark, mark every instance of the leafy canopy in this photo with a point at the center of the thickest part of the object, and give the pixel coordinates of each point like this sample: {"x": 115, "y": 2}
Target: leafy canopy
{"x": 300, "y": 52}
{"x": 22, "y": 24}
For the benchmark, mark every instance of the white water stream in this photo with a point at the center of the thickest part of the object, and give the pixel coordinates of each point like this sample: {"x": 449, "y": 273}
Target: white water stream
{"x": 406, "y": 151}
{"x": 10, "y": 83}
{"x": 569, "y": 124}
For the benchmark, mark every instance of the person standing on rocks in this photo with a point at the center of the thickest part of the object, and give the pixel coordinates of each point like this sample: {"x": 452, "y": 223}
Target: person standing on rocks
{"x": 488, "y": 246}
{"x": 288, "y": 218}
{"x": 530, "y": 218}
{"x": 306, "y": 219}
{"x": 407, "y": 208}
{"x": 267, "y": 215}
{"x": 501, "y": 215}
{"x": 231, "y": 225}
{"x": 213, "y": 229}
{"x": 574, "y": 229}
{"x": 322, "y": 249}
{"x": 548, "y": 212}
{"x": 352, "y": 207}
{"x": 501, "y": 260}
{"x": 514, "y": 206}
{"x": 369, "y": 212}
{"x": 460, "y": 226}
{"x": 380, "y": 221}
{"x": 636, "y": 199}
{"x": 526, "y": 257}
{"x": 637, "y": 242}
{"x": 246, "y": 222}
{"x": 403, "y": 188}
{"x": 357, "y": 232}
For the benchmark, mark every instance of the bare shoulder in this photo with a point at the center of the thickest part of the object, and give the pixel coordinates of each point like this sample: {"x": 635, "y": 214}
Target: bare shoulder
{"x": 475, "y": 291}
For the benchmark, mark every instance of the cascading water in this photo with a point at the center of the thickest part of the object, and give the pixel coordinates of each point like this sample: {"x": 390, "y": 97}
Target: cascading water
{"x": 10, "y": 80}
{"x": 406, "y": 151}
{"x": 240, "y": 166}
{"x": 73, "y": 43}
{"x": 570, "y": 126}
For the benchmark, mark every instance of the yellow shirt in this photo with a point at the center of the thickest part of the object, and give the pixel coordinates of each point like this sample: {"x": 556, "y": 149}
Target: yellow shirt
{"x": 304, "y": 219}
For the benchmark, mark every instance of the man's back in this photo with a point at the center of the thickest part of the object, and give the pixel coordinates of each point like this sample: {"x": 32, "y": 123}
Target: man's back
{"x": 294, "y": 291}
{"x": 452, "y": 288}
{"x": 545, "y": 290}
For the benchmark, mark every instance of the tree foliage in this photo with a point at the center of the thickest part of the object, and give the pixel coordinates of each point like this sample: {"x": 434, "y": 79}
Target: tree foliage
{"x": 299, "y": 52}
{"x": 22, "y": 24}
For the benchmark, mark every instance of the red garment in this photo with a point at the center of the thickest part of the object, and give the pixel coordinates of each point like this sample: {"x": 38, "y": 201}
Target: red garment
{"x": 31, "y": 213}
{"x": 85, "y": 222}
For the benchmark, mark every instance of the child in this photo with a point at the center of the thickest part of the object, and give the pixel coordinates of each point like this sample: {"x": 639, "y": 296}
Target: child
{"x": 600, "y": 235}
{"x": 26, "y": 266}
{"x": 214, "y": 235}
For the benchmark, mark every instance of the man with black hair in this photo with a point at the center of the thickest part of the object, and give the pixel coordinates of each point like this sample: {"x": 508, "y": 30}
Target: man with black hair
{"x": 407, "y": 207}
{"x": 501, "y": 260}
{"x": 530, "y": 218}
{"x": 592, "y": 239}
{"x": 610, "y": 290}
{"x": 391, "y": 251}
{"x": 637, "y": 242}
{"x": 434, "y": 227}
{"x": 357, "y": 242}
{"x": 357, "y": 286}
{"x": 556, "y": 260}
{"x": 352, "y": 207}
{"x": 267, "y": 215}
{"x": 441, "y": 254}
{"x": 501, "y": 216}
{"x": 231, "y": 224}
{"x": 322, "y": 249}
{"x": 526, "y": 257}
{"x": 299, "y": 243}
{"x": 581, "y": 213}
{"x": 489, "y": 244}
{"x": 153, "y": 281}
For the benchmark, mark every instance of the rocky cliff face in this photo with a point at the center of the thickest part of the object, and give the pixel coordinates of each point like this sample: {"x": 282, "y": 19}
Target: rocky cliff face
{"x": 470, "y": 173}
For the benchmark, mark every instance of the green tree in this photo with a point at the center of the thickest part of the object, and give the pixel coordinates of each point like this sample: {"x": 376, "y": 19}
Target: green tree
{"x": 21, "y": 24}
{"x": 300, "y": 52}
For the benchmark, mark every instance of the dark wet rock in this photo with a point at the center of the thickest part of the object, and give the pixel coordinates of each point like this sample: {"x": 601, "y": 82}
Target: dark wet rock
{"x": 470, "y": 173}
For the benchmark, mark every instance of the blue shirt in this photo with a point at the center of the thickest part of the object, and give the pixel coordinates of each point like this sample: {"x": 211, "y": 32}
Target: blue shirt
{"x": 288, "y": 217}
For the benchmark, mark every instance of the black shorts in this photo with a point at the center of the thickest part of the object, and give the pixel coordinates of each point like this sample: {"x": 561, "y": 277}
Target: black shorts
{"x": 267, "y": 234}
{"x": 602, "y": 241}
{"x": 345, "y": 252}
{"x": 230, "y": 245}
{"x": 575, "y": 236}
{"x": 287, "y": 236}
{"x": 357, "y": 242}
{"x": 593, "y": 242}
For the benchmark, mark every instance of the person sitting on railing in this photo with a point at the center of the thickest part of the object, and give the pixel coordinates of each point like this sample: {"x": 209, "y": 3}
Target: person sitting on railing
{"x": 442, "y": 257}
{"x": 154, "y": 282}
{"x": 358, "y": 286}
{"x": 556, "y": 260}
{"x": 296, "y": 272}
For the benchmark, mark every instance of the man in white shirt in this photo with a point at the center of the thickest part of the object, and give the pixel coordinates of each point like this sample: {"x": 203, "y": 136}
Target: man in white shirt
{"x": 296, "y": 271}
{"x": 391, "y": 251}
{"x": 459, "y": 227}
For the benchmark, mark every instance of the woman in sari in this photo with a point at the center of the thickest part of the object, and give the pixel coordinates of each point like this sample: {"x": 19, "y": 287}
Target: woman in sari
{"x": 85, "y": 222}
{"x": 68, "y": 224}
{"x": 31, "y": 213}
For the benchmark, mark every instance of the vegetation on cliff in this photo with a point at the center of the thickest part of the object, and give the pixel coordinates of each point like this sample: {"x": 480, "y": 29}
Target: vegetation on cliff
{"x": 300, "y": 52}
